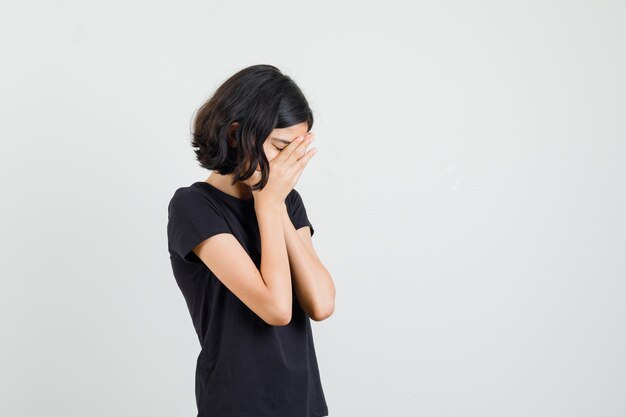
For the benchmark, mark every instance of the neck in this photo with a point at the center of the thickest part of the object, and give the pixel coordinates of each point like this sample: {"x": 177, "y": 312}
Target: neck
{"x": 224, "y": 183}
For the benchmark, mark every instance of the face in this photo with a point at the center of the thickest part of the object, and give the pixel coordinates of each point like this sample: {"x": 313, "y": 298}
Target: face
{"x": 279, "y": 138}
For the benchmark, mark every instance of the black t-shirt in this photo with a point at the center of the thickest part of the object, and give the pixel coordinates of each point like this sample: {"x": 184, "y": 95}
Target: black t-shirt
{"x": 246, "y": 367}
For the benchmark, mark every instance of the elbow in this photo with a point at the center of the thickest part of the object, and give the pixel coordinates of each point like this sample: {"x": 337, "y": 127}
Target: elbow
{"x": 320, "y": 314}
{"x": 280, "y": 315}
{"x": 323, "y": 309}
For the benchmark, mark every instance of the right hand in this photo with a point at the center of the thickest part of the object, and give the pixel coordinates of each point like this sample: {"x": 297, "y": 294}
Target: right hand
{"x": 285, "y": 170}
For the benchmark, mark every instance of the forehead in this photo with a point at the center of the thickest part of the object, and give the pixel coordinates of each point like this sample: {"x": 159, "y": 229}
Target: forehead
{"x": 289, "y": 133}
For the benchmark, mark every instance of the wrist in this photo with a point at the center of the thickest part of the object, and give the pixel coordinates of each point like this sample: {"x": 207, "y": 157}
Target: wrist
{"x": 262, "y": 205}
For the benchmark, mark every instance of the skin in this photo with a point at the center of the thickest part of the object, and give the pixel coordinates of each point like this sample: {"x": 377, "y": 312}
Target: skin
{"x": 289, "y": 257}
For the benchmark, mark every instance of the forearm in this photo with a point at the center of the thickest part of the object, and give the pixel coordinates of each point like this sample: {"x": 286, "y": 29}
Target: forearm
{"x": 274, "y": 266}
{"x": 312, "y": 282}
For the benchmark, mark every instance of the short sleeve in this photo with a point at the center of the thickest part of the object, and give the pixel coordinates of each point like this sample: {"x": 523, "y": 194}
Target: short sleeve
{"x": 297, "y": 211}
{"x": 192, "y": 218}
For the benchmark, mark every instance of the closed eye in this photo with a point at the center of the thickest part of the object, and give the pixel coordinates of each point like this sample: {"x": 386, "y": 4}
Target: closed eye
{"x": 280, "y": 149}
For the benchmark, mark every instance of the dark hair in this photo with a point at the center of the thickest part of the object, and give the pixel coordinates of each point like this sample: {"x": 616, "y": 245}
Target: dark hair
{"x": 260, "y": 98}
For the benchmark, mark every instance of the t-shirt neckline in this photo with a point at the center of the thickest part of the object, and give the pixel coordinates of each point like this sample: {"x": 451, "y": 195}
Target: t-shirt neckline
{"x": 224, "y": 195}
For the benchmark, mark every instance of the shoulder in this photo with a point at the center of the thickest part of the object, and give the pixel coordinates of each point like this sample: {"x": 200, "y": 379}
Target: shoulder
{"x": 293, "y": 196}
{"x": 293, "y": 199}
{"x": 184, "y": 193}
{"x": 189, "y": 193}
{"x": 192, "y": 218}
{"x": 190, "y": 198}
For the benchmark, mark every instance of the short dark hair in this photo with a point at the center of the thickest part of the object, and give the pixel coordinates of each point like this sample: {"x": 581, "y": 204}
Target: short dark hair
{"x": 260, "y": 98}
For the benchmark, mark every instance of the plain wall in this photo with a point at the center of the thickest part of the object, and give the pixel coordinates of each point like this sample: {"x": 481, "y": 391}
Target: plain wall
{"x": 468, "y": 197}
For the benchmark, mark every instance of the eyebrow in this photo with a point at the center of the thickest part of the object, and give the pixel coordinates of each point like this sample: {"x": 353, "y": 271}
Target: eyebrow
{"x": 282, "y": 140}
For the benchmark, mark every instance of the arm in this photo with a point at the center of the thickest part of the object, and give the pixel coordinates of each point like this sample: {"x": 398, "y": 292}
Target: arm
{"x": 312, "y": 282}
{"x": 267, "y": 291}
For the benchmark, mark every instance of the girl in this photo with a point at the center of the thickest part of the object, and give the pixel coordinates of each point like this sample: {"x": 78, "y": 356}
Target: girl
{"x": 242, "y": 255}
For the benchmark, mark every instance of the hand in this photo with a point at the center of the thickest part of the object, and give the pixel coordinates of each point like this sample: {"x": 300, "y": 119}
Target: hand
{"x": 285, "y": 170}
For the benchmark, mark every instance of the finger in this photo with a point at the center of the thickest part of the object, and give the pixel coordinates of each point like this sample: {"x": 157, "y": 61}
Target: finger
{"x": 304, "y": 160}
{"x": 298, "y": 142}
{"x": 303, "y": 149}
{"x": 300, "y": 149}
{"x": 286, "y": 151}
{"x": 293, "y": 145}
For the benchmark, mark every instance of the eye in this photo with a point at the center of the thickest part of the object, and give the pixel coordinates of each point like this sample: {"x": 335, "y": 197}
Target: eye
{"x": 280, "y": 149}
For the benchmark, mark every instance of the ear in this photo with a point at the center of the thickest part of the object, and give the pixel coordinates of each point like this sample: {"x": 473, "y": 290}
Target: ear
{"x": 232, "y": 141}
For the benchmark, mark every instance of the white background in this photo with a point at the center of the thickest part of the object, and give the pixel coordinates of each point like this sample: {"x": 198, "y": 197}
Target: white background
{"x": 468, "y": 198}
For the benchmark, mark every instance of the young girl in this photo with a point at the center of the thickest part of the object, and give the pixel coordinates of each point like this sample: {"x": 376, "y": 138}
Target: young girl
{"x": 242, "y": 255}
